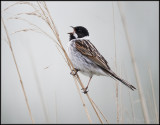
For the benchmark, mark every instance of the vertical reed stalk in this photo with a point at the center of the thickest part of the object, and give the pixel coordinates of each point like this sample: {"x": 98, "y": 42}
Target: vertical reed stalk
{"x": 140, "y": 90}
{"x": 115, "y": 65}
{"x": 10, "y": 45}
{"x": 154, "y": 99}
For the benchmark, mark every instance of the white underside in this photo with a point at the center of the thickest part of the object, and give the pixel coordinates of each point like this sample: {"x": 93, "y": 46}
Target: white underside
{"x": 85, "y": 65}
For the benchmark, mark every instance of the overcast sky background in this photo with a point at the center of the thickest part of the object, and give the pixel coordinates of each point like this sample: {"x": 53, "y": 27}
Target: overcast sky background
{"x": 34, "y": 52}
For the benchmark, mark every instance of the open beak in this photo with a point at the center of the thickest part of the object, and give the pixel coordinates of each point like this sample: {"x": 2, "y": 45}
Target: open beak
{"x": 70, "y": 33}
{"x": 73, "y": 30}
{"x": 72, "y": 27}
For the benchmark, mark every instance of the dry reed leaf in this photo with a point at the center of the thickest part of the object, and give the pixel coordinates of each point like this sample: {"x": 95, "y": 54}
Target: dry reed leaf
{"x": 25, "y": 30}
{"x": 20, "y": 2}
{"x": 18, "y": 18}
{"x": 34, "y": 13}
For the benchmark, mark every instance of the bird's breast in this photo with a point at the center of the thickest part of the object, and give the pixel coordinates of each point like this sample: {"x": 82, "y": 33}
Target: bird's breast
{"x": 81, "y": 62}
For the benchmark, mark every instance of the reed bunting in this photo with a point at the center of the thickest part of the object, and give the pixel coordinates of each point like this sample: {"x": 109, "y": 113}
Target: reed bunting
{"x": 86, "y": 58}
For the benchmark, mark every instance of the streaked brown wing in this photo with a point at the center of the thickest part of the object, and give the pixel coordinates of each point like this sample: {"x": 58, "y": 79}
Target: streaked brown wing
{"x": 88, "y": 49}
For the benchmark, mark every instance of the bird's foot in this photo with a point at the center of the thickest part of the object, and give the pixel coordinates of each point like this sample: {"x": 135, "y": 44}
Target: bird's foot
{"x": 85, "y": 90}
{"x": 74, "y": 72}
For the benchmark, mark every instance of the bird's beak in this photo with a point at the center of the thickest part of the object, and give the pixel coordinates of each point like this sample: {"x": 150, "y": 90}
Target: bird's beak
{"x": 72, "y": 27}
{"x": 73, "y": 30}
{"x": 70, "y": 33}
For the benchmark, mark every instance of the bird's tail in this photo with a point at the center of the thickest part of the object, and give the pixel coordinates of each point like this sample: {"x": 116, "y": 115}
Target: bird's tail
{"x": 112, "y": 74}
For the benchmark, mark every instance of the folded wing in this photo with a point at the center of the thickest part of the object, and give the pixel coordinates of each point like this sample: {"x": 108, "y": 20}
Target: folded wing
{"x": 86, "y": 48}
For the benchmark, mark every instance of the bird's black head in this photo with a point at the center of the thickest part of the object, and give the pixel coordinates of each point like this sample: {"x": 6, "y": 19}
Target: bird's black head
{"x": 81, "y": 31}
{"x": 78, "y": 32}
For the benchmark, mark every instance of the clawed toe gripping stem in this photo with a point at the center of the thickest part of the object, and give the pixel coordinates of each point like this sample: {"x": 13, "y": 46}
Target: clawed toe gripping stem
{"x": 85, "y": 90}
{"x": 74, "y": 72}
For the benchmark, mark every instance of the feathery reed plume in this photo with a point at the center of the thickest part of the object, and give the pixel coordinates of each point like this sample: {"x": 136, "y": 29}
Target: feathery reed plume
{"x": 115, "y": 64}
{"x": 10, "y": 45}
{"x": 44, "y": 14}
{"x": 140, "y": 91}
{"x": 154, "y": 99}
{"x": 11, "y": 6}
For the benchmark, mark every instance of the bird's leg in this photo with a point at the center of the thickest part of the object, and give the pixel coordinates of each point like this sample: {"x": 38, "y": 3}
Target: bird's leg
{"x": 74, "y": 71}
{"x": 85, "y": 89}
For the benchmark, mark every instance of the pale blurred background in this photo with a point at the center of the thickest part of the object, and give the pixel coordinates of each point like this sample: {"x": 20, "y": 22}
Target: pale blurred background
{"x": 34, "y": 52}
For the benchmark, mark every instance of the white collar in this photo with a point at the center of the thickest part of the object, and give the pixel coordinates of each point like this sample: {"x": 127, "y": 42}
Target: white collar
{"x": 86, "y": 37}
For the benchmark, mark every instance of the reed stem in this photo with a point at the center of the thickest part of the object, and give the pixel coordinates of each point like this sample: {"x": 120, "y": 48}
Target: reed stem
{"x": 10, "y": 45}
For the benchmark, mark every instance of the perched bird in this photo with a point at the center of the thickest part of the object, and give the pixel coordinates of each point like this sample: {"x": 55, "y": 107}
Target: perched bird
{"x": 86, "y": 58}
